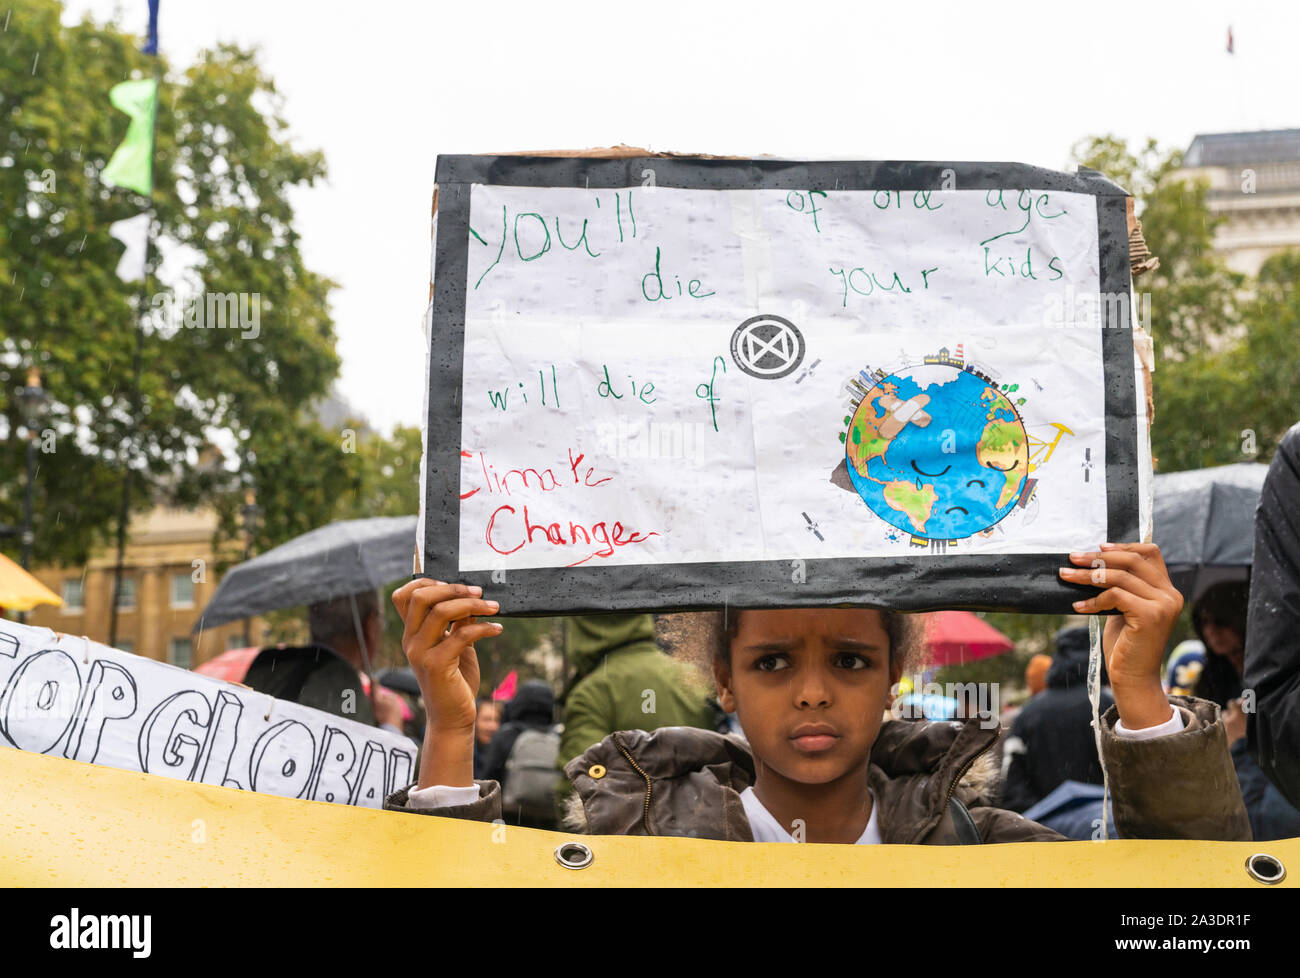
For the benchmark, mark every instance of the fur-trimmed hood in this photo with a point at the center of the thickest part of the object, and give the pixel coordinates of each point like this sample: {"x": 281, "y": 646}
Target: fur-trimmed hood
{"x": 590, "y": 638}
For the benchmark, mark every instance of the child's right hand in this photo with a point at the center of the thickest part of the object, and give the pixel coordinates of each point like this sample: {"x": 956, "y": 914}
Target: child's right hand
{"x": 439, "y": 642}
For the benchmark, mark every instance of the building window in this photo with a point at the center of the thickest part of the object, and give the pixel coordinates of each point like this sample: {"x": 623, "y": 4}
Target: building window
{"x": 126, "y": 597}
{"x": 74, "y": 598}
{"x": 182, "y": 591}
{"x": 125, "y": 645}
{"x": 180, "y": 652}
{"x": 235, "y": 640}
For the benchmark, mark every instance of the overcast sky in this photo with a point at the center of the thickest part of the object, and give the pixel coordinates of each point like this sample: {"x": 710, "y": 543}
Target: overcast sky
{"x": 383, "y": 87}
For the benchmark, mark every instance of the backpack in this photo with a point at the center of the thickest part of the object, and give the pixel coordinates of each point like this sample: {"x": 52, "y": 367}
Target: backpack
{"x": 531, "y": 775}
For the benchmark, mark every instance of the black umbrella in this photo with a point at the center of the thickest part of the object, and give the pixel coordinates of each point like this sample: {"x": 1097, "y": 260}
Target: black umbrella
{"x": 331, "y": 562}
{"x": 1204, "y": 523}
{"x": 403, "y": 680}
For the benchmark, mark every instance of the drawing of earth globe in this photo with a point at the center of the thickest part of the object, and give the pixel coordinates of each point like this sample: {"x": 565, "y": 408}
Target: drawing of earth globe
{"x": 937, "y": 450}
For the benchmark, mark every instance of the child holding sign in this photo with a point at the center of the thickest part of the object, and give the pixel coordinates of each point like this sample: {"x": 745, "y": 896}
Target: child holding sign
{"x": 810, "y": 688}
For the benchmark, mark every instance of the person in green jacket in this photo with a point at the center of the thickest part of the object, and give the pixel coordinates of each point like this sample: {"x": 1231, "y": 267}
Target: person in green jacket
{"x": 622, "y": 681}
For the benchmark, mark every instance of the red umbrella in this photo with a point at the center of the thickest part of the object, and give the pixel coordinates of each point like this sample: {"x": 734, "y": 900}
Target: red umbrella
{"x": 955, "y": 637}
{"x": 231, "y": 666}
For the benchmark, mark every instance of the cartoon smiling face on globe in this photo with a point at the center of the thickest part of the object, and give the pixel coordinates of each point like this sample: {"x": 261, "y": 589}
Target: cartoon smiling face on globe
{"x": 937, "y": 450}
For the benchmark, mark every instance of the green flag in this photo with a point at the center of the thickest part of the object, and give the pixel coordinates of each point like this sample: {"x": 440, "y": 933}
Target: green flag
{"x": 132, "y": 164}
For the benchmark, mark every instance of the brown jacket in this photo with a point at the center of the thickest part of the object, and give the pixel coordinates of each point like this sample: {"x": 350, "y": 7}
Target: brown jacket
{"x": 686, "y": 782}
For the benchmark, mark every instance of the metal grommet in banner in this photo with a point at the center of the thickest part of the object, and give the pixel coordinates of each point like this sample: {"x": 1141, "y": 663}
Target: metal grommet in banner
{"x": 573, "y": 855}
{"x": 1265, "y": 868}
{"x": 596, "y": 771}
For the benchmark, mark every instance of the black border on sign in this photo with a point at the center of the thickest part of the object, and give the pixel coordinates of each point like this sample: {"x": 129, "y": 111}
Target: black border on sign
{"x": 1027, "y": 583}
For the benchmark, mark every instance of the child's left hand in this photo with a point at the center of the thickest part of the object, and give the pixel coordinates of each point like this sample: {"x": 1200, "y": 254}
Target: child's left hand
{"x": 1137, "y": 585}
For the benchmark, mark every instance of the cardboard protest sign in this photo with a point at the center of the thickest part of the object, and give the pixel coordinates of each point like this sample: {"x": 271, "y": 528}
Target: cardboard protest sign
{"x": 679, "y": 382}
{"x": 71, "y": 697}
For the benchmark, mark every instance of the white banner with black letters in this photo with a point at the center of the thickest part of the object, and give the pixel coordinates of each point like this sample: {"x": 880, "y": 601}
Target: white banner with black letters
{"x": 67, "y": 696}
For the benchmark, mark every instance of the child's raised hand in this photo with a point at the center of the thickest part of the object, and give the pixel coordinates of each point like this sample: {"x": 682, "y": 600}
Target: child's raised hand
{"x": 439, "y": 643}
{"x": 1136, "y": 584}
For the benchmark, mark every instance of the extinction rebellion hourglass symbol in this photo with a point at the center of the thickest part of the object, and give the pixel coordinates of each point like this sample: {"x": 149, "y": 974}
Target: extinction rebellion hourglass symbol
{"x": 767, "y": 347}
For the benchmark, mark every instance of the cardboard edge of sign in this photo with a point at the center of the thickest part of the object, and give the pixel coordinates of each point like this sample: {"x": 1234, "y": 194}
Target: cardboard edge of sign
{"x": 693, "y": 586}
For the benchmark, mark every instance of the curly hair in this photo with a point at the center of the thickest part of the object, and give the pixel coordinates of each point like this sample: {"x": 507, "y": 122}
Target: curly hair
{"x": 704, "y": 638}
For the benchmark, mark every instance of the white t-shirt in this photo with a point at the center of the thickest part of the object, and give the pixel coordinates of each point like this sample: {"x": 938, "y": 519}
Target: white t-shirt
{"x": 767, "y": 829}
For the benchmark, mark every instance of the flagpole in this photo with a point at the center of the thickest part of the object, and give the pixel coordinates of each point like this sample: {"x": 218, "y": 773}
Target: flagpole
{"x": 124, "y": 510}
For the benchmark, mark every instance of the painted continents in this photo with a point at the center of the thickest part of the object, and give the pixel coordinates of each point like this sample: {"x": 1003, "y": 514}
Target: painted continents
{"x": 937, "y": 451}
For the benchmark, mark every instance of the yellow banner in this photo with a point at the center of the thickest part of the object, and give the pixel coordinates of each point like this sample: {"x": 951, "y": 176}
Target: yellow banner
{"x": 73, "y": 824}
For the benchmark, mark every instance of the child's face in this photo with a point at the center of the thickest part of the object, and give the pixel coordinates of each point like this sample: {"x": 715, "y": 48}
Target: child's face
{"x": 809, "y": 687}
{"x": 489, "y": 721}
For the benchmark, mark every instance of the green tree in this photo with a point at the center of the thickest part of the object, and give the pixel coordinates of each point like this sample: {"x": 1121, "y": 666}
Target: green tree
{"x": 222, "y": 172}
{"x": 1263, "y": 366}
{"x": 1194, "y": 301}
{"x": 1193, "y": 293}
{"x": 389, "y": 481}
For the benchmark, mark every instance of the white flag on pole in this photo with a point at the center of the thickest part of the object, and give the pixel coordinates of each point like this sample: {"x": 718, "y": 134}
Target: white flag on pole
{"x": 132, "y": 232}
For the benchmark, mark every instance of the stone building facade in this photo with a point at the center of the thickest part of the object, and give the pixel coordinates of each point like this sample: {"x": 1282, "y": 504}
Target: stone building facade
{"x": 169, "y": 576}
{"x": 1254, "y": 183}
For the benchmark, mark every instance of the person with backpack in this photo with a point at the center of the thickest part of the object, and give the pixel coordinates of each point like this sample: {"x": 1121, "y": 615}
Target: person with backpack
{"x": 522, "y": 754}
{"x": 822, "y": 764}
